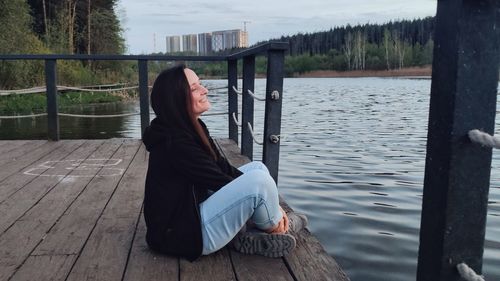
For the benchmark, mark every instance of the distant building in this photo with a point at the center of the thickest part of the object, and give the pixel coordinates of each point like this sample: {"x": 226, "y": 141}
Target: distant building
{"x": 173, "y": 44}
{"x": 204, "y": 43}
{"x": 228, "y": 39}
{"x": 190, "y": 43}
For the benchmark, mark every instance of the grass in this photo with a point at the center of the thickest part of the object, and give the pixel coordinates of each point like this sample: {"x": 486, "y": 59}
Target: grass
{"x": 38, "y": 102}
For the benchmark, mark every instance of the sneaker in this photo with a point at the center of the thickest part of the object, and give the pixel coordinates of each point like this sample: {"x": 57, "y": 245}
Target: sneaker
{"x": 261, "y": 243}
{"x": 296, "y": 222}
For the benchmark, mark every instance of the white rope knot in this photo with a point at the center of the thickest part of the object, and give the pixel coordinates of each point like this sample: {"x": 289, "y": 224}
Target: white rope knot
{"x": 468, "y": 273}
{"x": 484, "y": 139}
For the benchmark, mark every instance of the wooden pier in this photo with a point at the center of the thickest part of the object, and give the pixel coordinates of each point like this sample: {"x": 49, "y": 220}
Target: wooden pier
{"x": 72, "y": 210}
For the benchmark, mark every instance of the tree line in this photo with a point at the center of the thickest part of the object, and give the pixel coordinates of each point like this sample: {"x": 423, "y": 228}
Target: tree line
{"x": 93, "y": 27}
{"x": 78, "y": 26}
{"x": 62, "y": 27}
{"x": 393, "y": 45}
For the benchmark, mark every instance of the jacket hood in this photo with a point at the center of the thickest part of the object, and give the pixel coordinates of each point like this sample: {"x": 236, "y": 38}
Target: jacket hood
{"x": 157, "y": 133}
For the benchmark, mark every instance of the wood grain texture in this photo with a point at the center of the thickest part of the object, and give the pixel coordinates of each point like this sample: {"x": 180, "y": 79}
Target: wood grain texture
{"x": 45, "y": 268}
{"x": 105, "y": 254}
{"x": 41, "y": 216}
{"x": 13, "y": 150}
{"x": 20, "y": 202}
{"x": 8, "y": 145}
{"x": 11, "y": 173}
{"x": 214, "y": 267}
{"x": 309, "y": 261}
{"x": 72, "y": 230}
{"x": 145, "y": 265}
{"x": 258, "y": 268}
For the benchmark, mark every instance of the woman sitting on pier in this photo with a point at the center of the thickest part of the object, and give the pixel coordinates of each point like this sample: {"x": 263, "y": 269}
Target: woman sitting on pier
{"x": 195, "y": 201}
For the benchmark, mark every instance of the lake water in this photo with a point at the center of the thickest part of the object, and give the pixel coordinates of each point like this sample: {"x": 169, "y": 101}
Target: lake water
{"x": 352, "y": 159}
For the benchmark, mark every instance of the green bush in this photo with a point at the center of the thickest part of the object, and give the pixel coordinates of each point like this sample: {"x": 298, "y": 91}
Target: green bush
{"x": 25, "y": 104}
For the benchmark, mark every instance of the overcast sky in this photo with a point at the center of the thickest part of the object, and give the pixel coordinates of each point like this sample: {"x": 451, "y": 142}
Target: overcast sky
{"x": 145, "y": 20}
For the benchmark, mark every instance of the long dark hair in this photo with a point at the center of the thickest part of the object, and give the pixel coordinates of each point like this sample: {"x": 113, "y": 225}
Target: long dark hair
{"x": 171, "y": 101}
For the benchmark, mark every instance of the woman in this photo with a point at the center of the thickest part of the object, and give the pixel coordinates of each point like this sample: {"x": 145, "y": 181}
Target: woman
{"x": 195, "y": 201}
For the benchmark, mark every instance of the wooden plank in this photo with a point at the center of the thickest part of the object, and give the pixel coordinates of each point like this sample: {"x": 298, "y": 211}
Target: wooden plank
{"x": 214, "y": 267}
{"x": 52, "y": 206}
{"x": 41, "y": 217}
{"x": 37, "y": 268}
{"x": 259, "y": 268}
{"x": 230, "y": 150}
{"x": 145, "y": 265}
{"x": 15, "y": 206}
{"x": 12, "y": 177}
{"x": 105, "y": 254}
{"x": 10, "y": 149}
{"x": 72, "y": 230}
{"x": 16, "y": 243}
{"x": 8, "y": 145}
{"x": 68, "y": 235}
{"x": 309, "y": 261}
{"x": 130, "y": 192}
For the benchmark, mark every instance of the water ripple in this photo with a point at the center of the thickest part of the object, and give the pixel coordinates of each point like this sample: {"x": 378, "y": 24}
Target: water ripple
{"x": 352, "y": 159}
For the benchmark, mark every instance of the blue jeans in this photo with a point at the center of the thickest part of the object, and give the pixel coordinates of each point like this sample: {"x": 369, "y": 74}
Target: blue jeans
{"x": 252, "y": 195}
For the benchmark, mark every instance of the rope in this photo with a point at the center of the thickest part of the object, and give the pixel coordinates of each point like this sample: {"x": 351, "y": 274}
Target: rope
{"x": 103, "y": 85}
{"x": 42, "y": 89}
{"x": 99, "y": 116}
{"x": 215, "y": 113}
{"x": 237, "y": 91}
{"x": 254, "y": 96}
{"x": 33, "y": 90}
{"x": 468, "y": 273}
{"x": 23, "y": 116}
{"x": 92, "y": 88}
{"x": 96, "y": 90}
{"x": 236, "y": 120}
{"x": 253, "y": 136}
{"x": 484, "y": 139}
{"x": 216, "y": 88}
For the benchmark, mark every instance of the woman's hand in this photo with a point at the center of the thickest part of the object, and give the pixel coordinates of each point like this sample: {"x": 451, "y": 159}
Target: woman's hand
{"x": 283, "y": 225}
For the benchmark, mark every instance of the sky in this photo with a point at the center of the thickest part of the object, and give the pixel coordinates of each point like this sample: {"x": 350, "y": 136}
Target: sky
{"x": 147, "y": 22}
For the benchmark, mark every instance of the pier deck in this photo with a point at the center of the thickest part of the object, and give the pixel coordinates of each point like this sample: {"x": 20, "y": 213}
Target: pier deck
{"x": 72, "y": 210}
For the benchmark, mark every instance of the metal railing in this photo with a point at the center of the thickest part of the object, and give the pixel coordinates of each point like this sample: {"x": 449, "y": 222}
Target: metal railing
{"x": 272, "y": 120}
{"x": 457, "y": 171}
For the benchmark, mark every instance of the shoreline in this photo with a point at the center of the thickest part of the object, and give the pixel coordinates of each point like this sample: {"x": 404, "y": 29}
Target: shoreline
{"x": 424, "y": 72}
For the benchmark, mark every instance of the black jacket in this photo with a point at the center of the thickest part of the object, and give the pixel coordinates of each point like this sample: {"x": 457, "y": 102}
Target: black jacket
{"x": 179, "y": 175}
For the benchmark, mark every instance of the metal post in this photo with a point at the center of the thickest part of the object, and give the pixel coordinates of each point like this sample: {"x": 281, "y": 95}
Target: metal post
{"x": 51, "y": 86}
{"x": 247, "y": 106}
{"x": 457, "y": 172}
{"x": 144, "y": 94}
{"x": 272, "y": 118}
{"x": 232, "y": 80}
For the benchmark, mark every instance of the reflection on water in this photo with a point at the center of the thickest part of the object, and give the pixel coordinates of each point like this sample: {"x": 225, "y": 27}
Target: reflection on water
{"x": 352, "y": 159}
{"x": 78, "y": 128}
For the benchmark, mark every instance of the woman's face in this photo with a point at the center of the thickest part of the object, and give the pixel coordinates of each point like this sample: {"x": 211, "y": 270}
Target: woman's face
{"x": 199, "y": 93}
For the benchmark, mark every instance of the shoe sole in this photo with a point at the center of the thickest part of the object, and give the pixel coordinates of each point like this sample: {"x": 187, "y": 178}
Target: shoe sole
{"x": 268, "y": 245}
{"x": 297, "y": 217}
